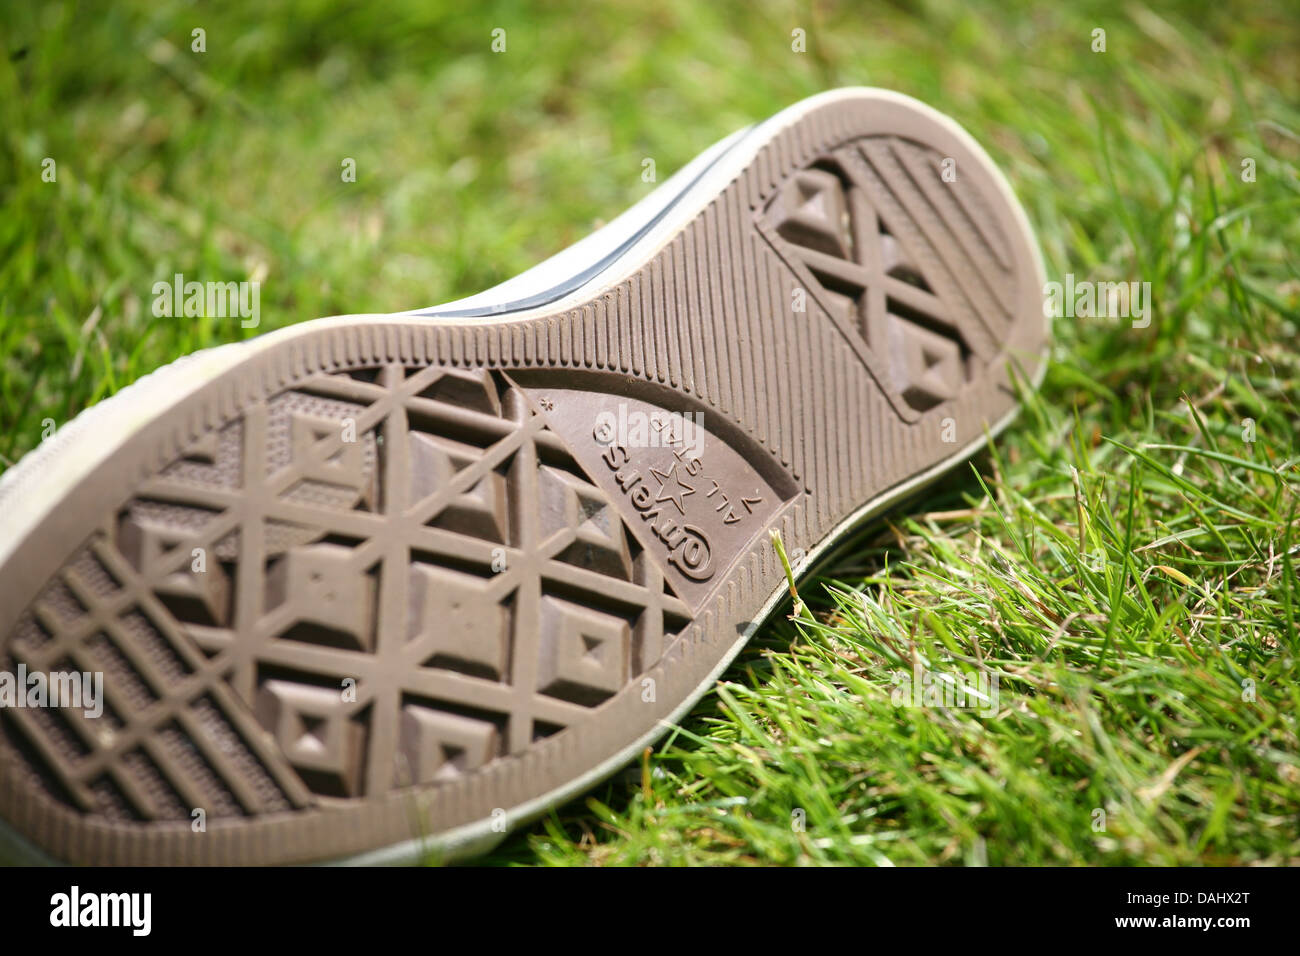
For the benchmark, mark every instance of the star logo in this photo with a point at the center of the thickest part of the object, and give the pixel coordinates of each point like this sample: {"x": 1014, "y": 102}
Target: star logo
{"x": 675, "y": 495}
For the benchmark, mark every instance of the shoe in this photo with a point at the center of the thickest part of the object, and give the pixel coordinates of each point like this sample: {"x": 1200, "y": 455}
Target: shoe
{"x": 378, "y": 587}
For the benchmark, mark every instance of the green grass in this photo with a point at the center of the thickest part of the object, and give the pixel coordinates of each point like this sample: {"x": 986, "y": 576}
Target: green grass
{"x": 1123, "y": 611}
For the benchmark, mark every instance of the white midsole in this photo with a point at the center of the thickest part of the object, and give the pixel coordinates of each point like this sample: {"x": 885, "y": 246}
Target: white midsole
{"x": 30, "y": 490}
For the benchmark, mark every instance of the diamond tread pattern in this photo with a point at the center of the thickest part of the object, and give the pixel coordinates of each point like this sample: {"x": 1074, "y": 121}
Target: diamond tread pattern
{"x": 380, "y": 581}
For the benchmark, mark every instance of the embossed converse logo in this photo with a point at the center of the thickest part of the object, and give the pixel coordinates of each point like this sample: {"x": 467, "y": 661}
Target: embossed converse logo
{"x": 694, "y": 490}
{"x": 660, "y": 500}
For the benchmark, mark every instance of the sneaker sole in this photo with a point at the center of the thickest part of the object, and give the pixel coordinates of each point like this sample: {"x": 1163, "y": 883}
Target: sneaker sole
{"x": 372, "y": 588}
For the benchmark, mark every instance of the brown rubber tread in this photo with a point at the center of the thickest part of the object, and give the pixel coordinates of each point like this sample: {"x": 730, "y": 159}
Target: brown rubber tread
{"x": 435, "y": 512}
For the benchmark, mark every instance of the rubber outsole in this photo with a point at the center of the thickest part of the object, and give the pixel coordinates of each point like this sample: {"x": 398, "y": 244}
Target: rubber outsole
{"x": 400, "y": 583}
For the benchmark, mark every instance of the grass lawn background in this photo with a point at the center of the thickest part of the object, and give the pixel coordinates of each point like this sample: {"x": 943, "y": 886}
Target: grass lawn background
{"x": 1123, "y": 558}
